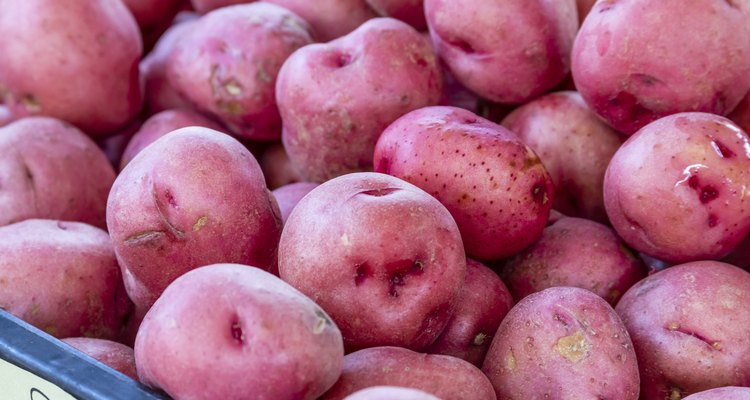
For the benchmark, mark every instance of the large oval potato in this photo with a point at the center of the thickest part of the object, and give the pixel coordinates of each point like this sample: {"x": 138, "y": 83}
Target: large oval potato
{"x": 689, "y": 327}
{"x": 76, "y": 61}
{"x": 49, "y": 169}
{"x": 63, "y": 278}
{"x": 564, "y": 343}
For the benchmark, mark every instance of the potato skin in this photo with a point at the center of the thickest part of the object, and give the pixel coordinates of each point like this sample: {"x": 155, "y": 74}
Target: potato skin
{"x": 446, "y": 377}
{"x": 633, "y": 71}
{"x": 62, "y": 277}
{"x": 81, "y": 68}
{"x": 740, "y": 115}
{"x": 150, "y": 14}
{"x": 390, "y": 283}
{"x": 49, "y": 169}
{"x": 725, "y": 393}
{"x": 676, "y": 190}
{"x": 565, "y": 343}
{"x": 330, "y": 19}
{"x": 277, "y": 167}
{"x": 337, "y": 98}
{"x": 289, "y": 195}
{"x": 228, "y": 64}
{"x": 575, "y": 252}
{"x": 409, "y": 11}
{"x": 483, "y": 303}
{"x": 217, "y": 326}
{"x": 575, "y": 146}
{"x": 115, "y": 355}
{"x": 494, "y": 185}
{"x": 390, "y": 393}
{"x": 505, "y": 51}
{"x": 166, "y": 219}
{"x": 689, "y": 328}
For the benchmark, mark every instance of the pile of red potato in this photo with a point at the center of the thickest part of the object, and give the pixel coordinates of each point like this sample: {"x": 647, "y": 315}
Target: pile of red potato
{"x": 383, "y": 199}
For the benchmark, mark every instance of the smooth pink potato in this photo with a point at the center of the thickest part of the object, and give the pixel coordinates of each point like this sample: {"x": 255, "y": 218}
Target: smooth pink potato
{"x": 115, "y": 355}
{"x": 166, "y": 219}
{"x": 492, "y": 183}
{"x": 409, "y": 11}
{"x": 277, "y": 167}
{"x": 62, "y": 277}
{"x": 725, "y": 393}
{"x": 337, "y": 98}
{"x": 507, "y": 51}
{"x": 49, "y": 169}
{"x": 689, "y": 328}
{"x": 215, "y": 334}
{"x": 565, "y": 343}
{"x": 289, "y": 195}
{"x": 446, "y": 377}
{"x": 634, "y": 70}
{"x": 76, "y": 61}
{"x": 380, "y": 255}
{"x": 676, "y": 190}
{"x": 575, "y": 147}
{"x": 390, "y": 393}
{"x": 227, "y": 65}
{"x": 578, "y": 253}
{"x": 159, "y": 125}
{"x": 483, "y": 303}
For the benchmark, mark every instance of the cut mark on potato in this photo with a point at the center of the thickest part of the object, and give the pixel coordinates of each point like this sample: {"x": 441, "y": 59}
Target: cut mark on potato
{"x": 143, "y": 238}
{"x": 379, "y": 192}
{"x": 676, "y": 327}
{"x": 510, "y": 361}
{"x": 574, "y": 347}
{"x": 160, "y": 211}
{"x": 237, "y": 333}
{"x": 721, "y": 149}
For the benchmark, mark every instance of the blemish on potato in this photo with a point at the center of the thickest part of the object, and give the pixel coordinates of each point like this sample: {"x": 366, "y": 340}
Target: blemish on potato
{"x": 674, "y": 393}
{"x": 345, "y": 240}
{"x": 237, "y": 333}
{"x": 574, "y": 347}
{"x": 510, "y": 361}
{"x": 30, "y": 103}
{"x": 200, "y": 223}
{"x": 320, "y": 323}
{"x": 479, "y": 339}
{"x": 143, "y": 238}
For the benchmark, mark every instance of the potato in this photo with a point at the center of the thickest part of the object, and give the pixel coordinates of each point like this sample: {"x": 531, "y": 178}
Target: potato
{"x": 575, "y": 147}
{"x": 214, "y": 334}
{"x": 634, "y": 70}
{"x": 227, "y": 65}
{"x": 740, "y": 115}
{"x": 409, "y": 11}
{"x": 676, "y": 190}
{"x": 380, "y": 255}
{"x": 740, "y": 256}
{"x": 725, "y": 393}
{"x": 5, "y": 117}
{"x": 584, "y": 7}
{"x": 277, "y": 167}
{"x": 330, "y": 19}
{"x": 289, "y": 195}
{"x": 564, "y": 343}
{"x": 575, "y": 252}
{"x": 390, "y": 393}
{"x": 150, "y": 14}
{"x": 159, "y": 125}
{"x": 505, "y": 51}
{"x": 51, "y": 170}
{"x": 337, "y": 98}
{"x": 492, "y": 183}
{"x": 689, "y": 328}
{"x": 115, "y": 355}
{"x": 62, "y": 277}
{"x": 446, "y": 377}
{"x": 76, "y": 61}
{"x": 483, "y": 303}
{"x": 166, "y": 219}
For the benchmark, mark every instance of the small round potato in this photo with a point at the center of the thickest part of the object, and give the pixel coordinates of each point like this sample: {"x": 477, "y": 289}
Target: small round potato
{"x": 228, "y": 331}
{"x": 116, "y": 355}
{"x": 380, "y": 255}
{"x": 390, "y": 393}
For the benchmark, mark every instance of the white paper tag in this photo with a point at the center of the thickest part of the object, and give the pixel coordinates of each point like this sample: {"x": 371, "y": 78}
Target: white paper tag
{"x": 18, "y": 384}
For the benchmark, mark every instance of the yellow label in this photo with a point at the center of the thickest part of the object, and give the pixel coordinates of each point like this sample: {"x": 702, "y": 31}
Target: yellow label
{"x": 18, "y": 384}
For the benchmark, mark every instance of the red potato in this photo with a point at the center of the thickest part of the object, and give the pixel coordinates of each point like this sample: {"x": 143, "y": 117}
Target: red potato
{"x": 380, "y": 255}
{"x": 494, "y": 185}
{"x": 115, "y": 355}
{"x": 289, "y": 195}
{"x": 634, "y": 70}
{"x": 62, "y": 277}
{"x": 689, "y": 328}
{"x": 505, "y": 51}
{"x": 166, "y": 219}
{"x": 446, "y": 377}
{"x": 677, "y": 189}
{"x": 49, "y": 169}
{"x": 390, "y": 393}
{"x": 231, "y": 331}
{"x": 337, "y": 98}
{"x": 330, "y": 19}
{"x": 564, "y": 343}
{"x": 578, "y": 253}
{"x": 227, "y": 65}
{"x": 483, "y": 303}
{"x": 159, "y": 125}
{"x": 725, "y": 393}
{"x": 409, "y": 11}
{"x": 150, "y": 14}
{"x": 740, "y": 115}
{"x": 81, "y": 68}
{"x": 113, "y": 146}
{"x": 277, "y": 168}
{"x": 575, "y": 147}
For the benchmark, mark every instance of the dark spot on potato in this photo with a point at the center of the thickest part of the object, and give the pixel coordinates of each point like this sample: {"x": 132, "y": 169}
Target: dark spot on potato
{"x": 462, "y": 45}
{"x": 159, "y": 206}
{"x": 379, "y": 192}
{"x": 361, "y": 272}
{"x": 343, "y": 60}
{"x": 713, "y": 220}
{"x": 646, "y": 79}
{"x": 62, "y": 225}
{"x": 237, "y": 333}
{"x": 625, "y": 106}
{"x": 432, "y": 321}
{"x": 733, "y": 4}
{"x": 28, "y": 174}
{"x": 394, "y": 283}
{"x": 721, "y": 149}
{"x": 693, "y": 181}
{"x": 400, "y": 271}
{"x": 539, "y": 194}
{"x": 170, "y": 198}
{"x": 421, "y": 62}
{"x": 708, "y": 193}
